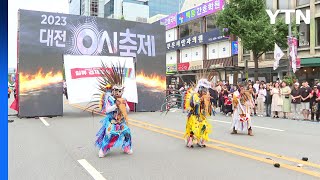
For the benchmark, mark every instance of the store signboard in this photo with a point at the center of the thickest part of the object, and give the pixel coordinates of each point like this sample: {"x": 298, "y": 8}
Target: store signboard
{"x": 196, "y": 40}
{"x": 200, "y": 11}
{"x": 189, "y": 66}
{"x": 171, "y": 68}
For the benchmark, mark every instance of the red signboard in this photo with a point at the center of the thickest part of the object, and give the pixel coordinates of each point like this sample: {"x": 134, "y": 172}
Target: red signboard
{"x": 189, "y": 66}
{"x": 183, "y": 66}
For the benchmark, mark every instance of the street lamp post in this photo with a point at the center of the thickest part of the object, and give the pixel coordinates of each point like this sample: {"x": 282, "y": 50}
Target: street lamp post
{"x": 290, "y": 43}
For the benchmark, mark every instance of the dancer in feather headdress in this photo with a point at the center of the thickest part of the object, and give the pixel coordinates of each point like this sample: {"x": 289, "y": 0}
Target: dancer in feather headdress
{"x": 114, "y": 131}
{"x": 197, "y": 103}
{"x": 242, "y": 101}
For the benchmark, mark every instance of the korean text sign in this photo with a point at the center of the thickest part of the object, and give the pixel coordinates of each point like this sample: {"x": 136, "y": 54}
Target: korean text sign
{"x": 169, "y": 21}
{"x": 196, "y": 40}
{"x": 200, "y": 11}
{"x": 82, "y": 76}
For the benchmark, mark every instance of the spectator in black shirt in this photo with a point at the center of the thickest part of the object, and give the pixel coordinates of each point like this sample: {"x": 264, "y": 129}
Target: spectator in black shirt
{"x": 305, "y": 92}
{"x": 268, "y": 101}
{"x": 228, "y": 87}
{"x": 314, "y": 104}
{"x": 213, "y": 98}
{"x": 296, "y": 101}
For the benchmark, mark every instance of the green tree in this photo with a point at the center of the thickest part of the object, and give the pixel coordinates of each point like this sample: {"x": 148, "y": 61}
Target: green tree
{"x": 248, "y": 20}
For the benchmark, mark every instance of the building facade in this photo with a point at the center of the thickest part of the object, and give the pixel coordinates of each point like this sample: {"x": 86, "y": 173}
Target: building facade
{"x": 308, "y": 45}
{"x": 87, "y": 7}
{"x": 164, "y": 6}
{"x": 117, "y": 9}
{"x": 194, "y": 43}
{"x": 75, "y": 7}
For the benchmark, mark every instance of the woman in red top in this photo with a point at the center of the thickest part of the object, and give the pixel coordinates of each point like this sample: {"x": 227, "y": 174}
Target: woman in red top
{"x": 228, "y": 104}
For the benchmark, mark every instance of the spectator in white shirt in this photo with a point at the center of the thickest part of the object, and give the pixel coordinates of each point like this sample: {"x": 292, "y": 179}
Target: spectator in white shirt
{"x": 256, "y": 86}
{"x": 262, "y": 93}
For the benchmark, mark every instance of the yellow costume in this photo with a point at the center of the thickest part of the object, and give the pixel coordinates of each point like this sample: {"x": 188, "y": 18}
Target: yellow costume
{"x": 198, "y": 105}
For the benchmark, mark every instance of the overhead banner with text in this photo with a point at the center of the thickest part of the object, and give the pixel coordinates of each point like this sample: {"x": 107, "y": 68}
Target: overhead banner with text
{"x": 170, "y": 21}
{"x": 44, "y": 38}
{"x": 204, "y": 9}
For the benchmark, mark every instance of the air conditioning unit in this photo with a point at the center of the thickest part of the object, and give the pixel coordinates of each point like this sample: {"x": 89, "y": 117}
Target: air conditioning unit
{"x": 141, "y": 19}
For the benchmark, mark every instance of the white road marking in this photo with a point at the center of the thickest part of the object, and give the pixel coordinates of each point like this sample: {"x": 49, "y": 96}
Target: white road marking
{"x": 91, "y": 170}
{"x": 272, "y": 129}
{"x": 44, "y": 121}
{"x": 220, "y": 121}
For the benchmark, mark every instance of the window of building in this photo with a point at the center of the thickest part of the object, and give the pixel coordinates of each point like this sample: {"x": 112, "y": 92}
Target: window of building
{"x": 211, "y": 22}
{"x": 191, "y": 28}
{"x": 246, "y": 51}
{"x": 83, "y": 5}
{"x": 269, "y": 4}
{"x": 94, "y": 8}
{"x": 318, "y": 31}
{"x": 109, "y": 8}
{"x": 302, "y": 2}
{"x": 304, "y": 37}
{"x": 283, "y": 4}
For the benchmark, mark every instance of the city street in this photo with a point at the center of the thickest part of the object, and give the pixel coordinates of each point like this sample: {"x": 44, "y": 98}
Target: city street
{"x": 62, "y": 148}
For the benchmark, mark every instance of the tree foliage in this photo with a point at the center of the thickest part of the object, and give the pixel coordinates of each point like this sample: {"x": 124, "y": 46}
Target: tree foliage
{"x": 248, "y": 20}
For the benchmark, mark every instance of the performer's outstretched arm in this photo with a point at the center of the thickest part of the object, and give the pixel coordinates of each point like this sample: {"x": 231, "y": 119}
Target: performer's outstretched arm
{"x": 111, "y": 108}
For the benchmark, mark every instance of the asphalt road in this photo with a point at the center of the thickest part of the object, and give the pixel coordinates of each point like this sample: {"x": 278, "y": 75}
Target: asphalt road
{"x": 62, "y": 148}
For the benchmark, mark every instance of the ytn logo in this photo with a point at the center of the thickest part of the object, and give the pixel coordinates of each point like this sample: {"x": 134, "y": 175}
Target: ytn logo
{"x": 299, "y": 15}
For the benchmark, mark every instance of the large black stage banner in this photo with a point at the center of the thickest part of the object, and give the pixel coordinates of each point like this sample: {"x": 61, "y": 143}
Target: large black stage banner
{"x": 44, "y": 38}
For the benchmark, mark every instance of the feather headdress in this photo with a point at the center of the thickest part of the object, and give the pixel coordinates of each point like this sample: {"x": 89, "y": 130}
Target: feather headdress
{"x": 204, "y": 81}
{"x": 111, "y": 78}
